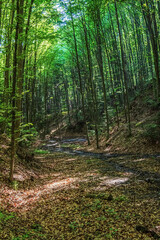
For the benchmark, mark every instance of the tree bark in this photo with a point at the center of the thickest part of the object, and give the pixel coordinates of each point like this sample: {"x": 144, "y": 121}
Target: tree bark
{"x": 13, "y": 140}
{"x": 79, "y": 75}
{"x": 100, "y": 64}
{"x": 124, "y": 69}
{"x": 91, "y": 83}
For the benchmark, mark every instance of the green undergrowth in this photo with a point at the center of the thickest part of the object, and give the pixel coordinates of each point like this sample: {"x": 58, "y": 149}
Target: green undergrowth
{"x": 40, "y": 151}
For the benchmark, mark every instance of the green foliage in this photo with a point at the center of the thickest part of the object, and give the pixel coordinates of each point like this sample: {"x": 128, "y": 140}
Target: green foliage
{"x": 5, "y": 121}
{"x": 73, "y": 225}
{"x": 96, "y": 205}
{"x": 152, "y": 103}
{"x": 91, "y": 133}
{"x": 40, "y": 151}
{"x": 121, "y": 198}
{"x": 111, "y": 211}
{"x": 15, "y": 185}
{"x": 28, "y": 134}
{"x": 5, "y": 217}
{"x": 139, "y": 123}
{"x": 152, "y": 132}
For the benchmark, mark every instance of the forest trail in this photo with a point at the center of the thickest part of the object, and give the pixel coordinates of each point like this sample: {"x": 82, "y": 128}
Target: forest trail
{"x": 69, "y": 187}
{"x": 114, "y": 170}
{"x": 79, "y": 68}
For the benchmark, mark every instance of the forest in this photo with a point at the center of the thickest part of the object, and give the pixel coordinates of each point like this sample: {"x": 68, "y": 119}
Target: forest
{"x": 79, "y": 119}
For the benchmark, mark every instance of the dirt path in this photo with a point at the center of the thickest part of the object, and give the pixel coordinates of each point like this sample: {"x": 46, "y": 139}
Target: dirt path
{"x": 75, "y": 190}
{"x": 124, "y": 168}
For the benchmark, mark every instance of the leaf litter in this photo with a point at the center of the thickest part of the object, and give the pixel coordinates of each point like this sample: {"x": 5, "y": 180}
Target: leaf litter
{"x": 66, "y": 202}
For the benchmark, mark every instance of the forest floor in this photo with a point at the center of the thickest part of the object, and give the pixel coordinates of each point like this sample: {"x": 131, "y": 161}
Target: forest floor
{"x": 74, "y": 195}
{"x": 70, "y": 190}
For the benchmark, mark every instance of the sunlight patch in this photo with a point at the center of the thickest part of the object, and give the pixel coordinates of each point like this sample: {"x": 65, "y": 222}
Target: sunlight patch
{"x": 139, "y": 160}
{"x": 113, "y": 181}
{"x": 22, "y": 200}
{"x": 71, "y": 159}
{"x": 19, "y": 177}
{"x": 108, "y": 182}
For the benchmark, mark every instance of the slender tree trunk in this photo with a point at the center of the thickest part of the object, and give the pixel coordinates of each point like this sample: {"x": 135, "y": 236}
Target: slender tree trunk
{"x": 19, "y": 68}
{"x": 13, "y": 140}
{"x": 124, "y": 70}
{"x": 119, "y": 82}
{"x": 110, "y": 74}
{"x": 79, "y": 76}
{"x": 95, "y": 112}
{"x": 33, "y": 114}
{"x": 7, "y": 61}
{"x": 26, "y": 32}
{"x": 100, "y": 64}
{"x": 154, "y": 42}
{"x": 67, "y": 96}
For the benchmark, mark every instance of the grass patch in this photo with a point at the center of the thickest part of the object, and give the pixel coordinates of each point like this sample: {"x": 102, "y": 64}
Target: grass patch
{"x": 40, "y": 151}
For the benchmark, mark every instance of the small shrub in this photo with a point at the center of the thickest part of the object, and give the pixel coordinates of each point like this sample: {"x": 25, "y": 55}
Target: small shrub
{"x": 15, "y": 185}
{"x": 28, "y": 134}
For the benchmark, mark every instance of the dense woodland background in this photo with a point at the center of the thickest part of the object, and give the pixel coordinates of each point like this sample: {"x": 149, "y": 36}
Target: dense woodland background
{"x": 82, "y": 61}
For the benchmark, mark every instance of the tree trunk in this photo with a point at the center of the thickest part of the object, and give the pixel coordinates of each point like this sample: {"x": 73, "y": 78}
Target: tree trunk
{"x": 79, "y": 75}
{"x": 154, "y": 42}
{"x": 13, "y": 140}
{"x": 19, "y": 68}
{"x": 100, "y": 64}
{"x": 124, "y": 70}
{"x": 95, "y": 112}
{"x": 7, "y": 61}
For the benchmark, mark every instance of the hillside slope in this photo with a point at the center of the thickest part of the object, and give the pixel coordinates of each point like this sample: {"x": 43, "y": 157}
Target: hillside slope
{"x": 145, "y": 124}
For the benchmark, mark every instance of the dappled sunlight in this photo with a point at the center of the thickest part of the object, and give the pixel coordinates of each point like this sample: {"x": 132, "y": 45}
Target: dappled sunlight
{"x": 108, "y": 149}
{"x": 19, "y": 177}
{"x": 23, "y": 200}
{"x": 127, "y": 174}
{"x": 139, "y": 160}
{"x": 88, "y": 174}
{"x": 70, "y": 159}
{"x": 54, "y": 131}
{"x": 109, "y": 182}
{"x": 23, "y": 174}
{"x": 39, "y": 157}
